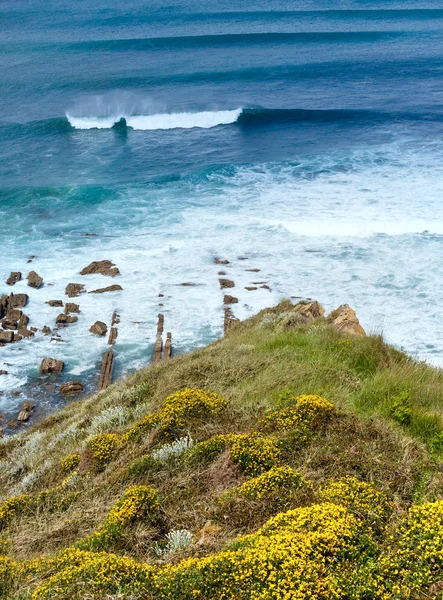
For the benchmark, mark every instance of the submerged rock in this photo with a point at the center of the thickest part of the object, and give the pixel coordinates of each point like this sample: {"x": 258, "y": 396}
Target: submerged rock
{"x": 103, "y": 267}
{"x": 111, "y": 288}
{"x": 34, "y": 280}
{"x": 72, "y": 388}
{"x": 219, "y": 261}
{"x": 51, "y": 365}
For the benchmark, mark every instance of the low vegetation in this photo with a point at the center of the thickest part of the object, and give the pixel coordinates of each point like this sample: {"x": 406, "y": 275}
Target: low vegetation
{"x": 283, "y": 462}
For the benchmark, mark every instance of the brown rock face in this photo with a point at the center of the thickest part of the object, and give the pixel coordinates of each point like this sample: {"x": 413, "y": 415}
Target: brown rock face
{"x": 226, "y": 283}
{"x": 25, "y": 412}
{"x": 46, "y": 330}
{"x": 54, "y": 303}
{"x": 111, "y": 288}
{"x": 74, "y": 289}
{"x": 23, "y": 322}
{"x": 104, "y": 267}
{"x": 6, "y": 337}
{"x": 17, "y": 300}
{"x": 14, "y": 277}
{"x": 113, "y": 333}
{"x": 34, "y": 280}
{"x": 63, "y": 318}
{"x": 51, "y": 365}
{"x": 106, "y": 370}
{"x": 229, "y": 320}
{"x": 26, "y": 333}
{"x": 250, "y": 288}
{"x": 228, "y": 299}
{"x": 309, "y": 310}
{"x": 99, "y": 328}
{"x": 345, "y": 320}
{"x": 72, "y": 388}
{"x": 72, "y": 307}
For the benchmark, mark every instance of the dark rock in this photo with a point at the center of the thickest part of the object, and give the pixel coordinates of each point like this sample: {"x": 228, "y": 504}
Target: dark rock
{"x": 111, "y": 288}
{"x": 226, "y": 283}
{"x": 72, "y": 388}
{"x": 74, "y": 289}
{"x": 228, "y": 299}
{"x": 17, "y": 337}
{"x": 219, "y": 261}
{"x": 55, "y": 302}
{"x": 63, "y": 318}
{"x": 14, "y": 277}
{"x": 112, "y": 336}
{"x": 51, "y": 365}
{"x": 6, "y": 337}
{"x": 25, "y": 412}
{"x": 242, "y": 258}
{"x": 265, "y": 287}
{"x": 250, "y": 288}
{"x": 253, "y": 270}
{"x": 188, "y": 284}
{"x": 34, "y": 280}
{"x": 17, "y": 300}
{"x": 72, "y": 307}
{"x": 2, "y": 372}
{"x": 23, "y": 322}
{"x": 99, "y": 328}
{"x": 16, "y": 394}
{"x": 104, "y": 267}
{"x": 46, "y": 330}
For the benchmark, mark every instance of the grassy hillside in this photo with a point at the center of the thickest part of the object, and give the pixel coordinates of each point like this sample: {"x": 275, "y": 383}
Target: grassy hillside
{"x": 283, "y": 461}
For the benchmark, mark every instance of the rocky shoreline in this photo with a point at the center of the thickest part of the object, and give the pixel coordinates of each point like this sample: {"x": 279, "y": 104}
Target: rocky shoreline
{"x": 53, "y": 384}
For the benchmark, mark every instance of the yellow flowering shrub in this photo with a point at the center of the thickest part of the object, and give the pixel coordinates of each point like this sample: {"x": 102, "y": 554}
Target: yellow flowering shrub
{"x": 296, "y": 555}
{"x": 304, "y": 413}
{"x": 10, "y": 507}
{"x": 141, "y": 427}
{"x": 104, "y": 447}
{"x": 138, "y": 502}
{"x": 278, "y": 479}
{"x": 359, "y": 497}
{"x": 97, "y": 573}
{"x": 4, "y": 546}
{"x": 254, "y": 453}
{"x": 70, "y": 461}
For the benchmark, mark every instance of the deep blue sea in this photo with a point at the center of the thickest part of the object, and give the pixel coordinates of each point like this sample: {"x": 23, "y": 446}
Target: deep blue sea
{"x": 305, "y": 136}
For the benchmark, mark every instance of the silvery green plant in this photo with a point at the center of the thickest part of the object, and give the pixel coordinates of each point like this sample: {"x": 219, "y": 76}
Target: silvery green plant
{"x": 177, "y": 540}
{"x": 176, "y": 448}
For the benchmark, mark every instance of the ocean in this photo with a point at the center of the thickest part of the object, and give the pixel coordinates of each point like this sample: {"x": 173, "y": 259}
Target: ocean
{"x": 302, "y": 136}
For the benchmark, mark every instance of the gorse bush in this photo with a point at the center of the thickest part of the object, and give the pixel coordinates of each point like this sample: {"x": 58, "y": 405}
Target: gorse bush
{"x": 71, "y": 461}
{"x": 254, "y": 453}
{"x": 303, "y": 413}
{"x": 276, "y": 480}
{"x": 104, "y": 448}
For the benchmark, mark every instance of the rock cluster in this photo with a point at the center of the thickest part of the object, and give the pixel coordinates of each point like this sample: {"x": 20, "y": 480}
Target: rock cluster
{"x": 345, "y": 321}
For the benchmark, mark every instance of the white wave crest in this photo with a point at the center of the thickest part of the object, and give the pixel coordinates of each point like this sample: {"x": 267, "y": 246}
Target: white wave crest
{"x": 204, "y": 120}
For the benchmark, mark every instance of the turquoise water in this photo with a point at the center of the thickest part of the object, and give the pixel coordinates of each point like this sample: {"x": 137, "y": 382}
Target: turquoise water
{"x": 305, "y": 136}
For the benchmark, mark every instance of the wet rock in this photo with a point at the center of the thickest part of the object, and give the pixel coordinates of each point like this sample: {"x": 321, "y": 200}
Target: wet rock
{"x": 51, "y": 365}
{"x": 219, "y": 261}
{"x": 23, "y": 322}
{"x": 17, "y": 337}
{"x": 12, "y": 424}
{"x": 111, "y": 288}
{"x": 265, "y": 287}
{"x": 34, "y": 280}
{"x": 14, "y": 277}
{"x": 345, "y": 321}
{"x": 253, "y": 270}
{"x": 17, "y": 300}
{"x": 6, "y": 337}
{"x": 99, "y": 328}
{"x": 25, "y": 412}
{"x": 161, "y": 295}
{"x": 16, "y": 394}
{"x": 221, "y": 273}
{"x": 115, "y": 318}
{"x": 112, "y": 336}
{"x": 74, "y": 289}
{"x": 229, "y": 320}
{"x": 188, "y": 284}
{"x": 65, "y": 319}
{"x": 26, "y": 333}
{"x": 228, "y": 299}
{"x": 309, "y": 310}
{"x": 3, "y": 372}
{"x": 72, "y": 388}
{"x": 46, "y": 330}
{"x": 55, "y": 302}
{"x": 250, "y": 288}
{"x": 34, "y": 329}
{"x": 72, "y": 307}
{"x": 103, "y": 267}
{"x": 226, "y": 283}
{"x": 242, "y": 258}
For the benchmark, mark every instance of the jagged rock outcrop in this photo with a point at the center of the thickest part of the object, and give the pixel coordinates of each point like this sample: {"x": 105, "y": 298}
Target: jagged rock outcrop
{"x": 17, "y": 300}
{"x": 309, "y": 310}
{"x": 99, "y": 328}
{"x": 104, "y": 267}
{"x": 14, "y": 277}
{"x": 34, "y": 280}
{"x": 51, "y": 365}
{"x": 6, "y": 337}
{"x": 228, "y": 299}
{"x": 74, "y": 289}
{"x": 345, "y": 321}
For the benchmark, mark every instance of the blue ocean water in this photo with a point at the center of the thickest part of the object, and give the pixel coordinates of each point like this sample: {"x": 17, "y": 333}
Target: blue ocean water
{"x": 305, "y": 136}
